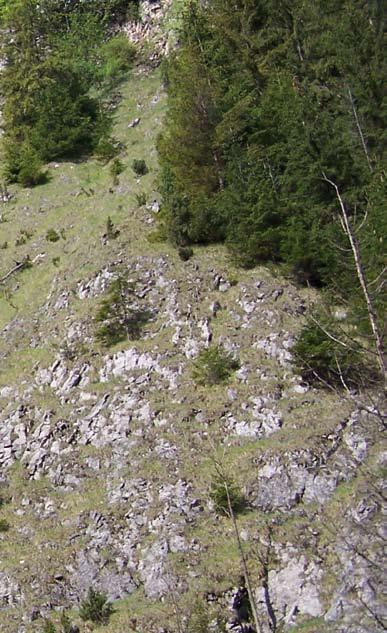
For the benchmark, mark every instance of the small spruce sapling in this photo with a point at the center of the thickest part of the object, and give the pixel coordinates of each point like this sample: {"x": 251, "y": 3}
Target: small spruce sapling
{"x": 96, "y": 607}
{"x": 214, "y": 366}
{"x": 116, "y": 168}
{"x": 223, "y": 491}
{"x": 118, "y": 317}
{"x": 111, "y": 232}
{"x": 140, "y": 167}
{"x": 52, "y": 236}
{"x": 4, "y": 525}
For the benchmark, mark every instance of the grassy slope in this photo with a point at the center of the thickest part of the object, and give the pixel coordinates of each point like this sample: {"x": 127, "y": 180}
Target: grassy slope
{"x": 29, "y": 337}
{"x": 61, "y": 205}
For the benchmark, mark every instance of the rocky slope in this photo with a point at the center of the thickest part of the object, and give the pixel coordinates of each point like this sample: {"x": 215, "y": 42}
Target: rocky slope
{"x": 108, "y": 456}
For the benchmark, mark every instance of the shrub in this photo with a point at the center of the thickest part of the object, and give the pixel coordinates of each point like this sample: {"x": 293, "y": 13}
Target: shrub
{"x": 52, "y": 236}
{"x": 96, "y": 607}
{"x": 111, "y": 232}
{"x": 116, "y": 168}
{"x": 118, "y": 54}
{"x": 198, "y": 621}
{"x": 107, "y": 149}
{"x": 24, "y": 236}
{"x": 140, "y": 167}
{"x": 218, "y": 494}
{"x": 119, "y": 319}
{"x": 185, "y": 253}
{"x": 4, "y": 525}
{"x": 29, "y": 169}
{"x": 330, "y": 359}
{"x": 158, "y": 235}
{"x": 67, "y": 626}
{"x": 214, "y": 365}
{"x": 141, "y": 199}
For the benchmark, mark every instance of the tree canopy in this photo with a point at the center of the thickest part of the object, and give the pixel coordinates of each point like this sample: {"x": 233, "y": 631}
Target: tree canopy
{"x": 57, "y": 59}
{"x": 265, "y": 97}
{"x": 270, "y": 102}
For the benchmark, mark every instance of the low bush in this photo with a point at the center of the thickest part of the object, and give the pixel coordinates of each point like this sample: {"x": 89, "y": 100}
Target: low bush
{"x": 119, "y": 318}
{"x": 220, "y": 485}
{"x": 199, "y": 620}
{"x": 66, "y": 624}
{"x": 158, "y": 235}
{"x": 118, "y": 54}
{"x": 23, "y": 238}
{"x": 95, "y": 607}
{"x": 4, "y": 525}
{"x": 185, "y": 253}
{"x": 29, "y": 171}
{"x": 111, "y": 232}
{"x": 213, "y": 366}
{"x": 116, "y": 168}
{"x": 325, "y": 354}
{"x": 52, "y": 236}
{"x": 140, "y": 167}
{"x": 48, "y": 627}
{"x": 107, "y": 148}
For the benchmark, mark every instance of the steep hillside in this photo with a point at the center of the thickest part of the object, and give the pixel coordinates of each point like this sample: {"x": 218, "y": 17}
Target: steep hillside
{"x": 110, "y": 456}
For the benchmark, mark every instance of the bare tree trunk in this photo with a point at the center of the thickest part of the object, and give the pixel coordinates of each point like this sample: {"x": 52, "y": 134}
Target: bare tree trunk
{"x": 257, "y": 622}
{"x": 264, "y": 562}
{"x": 348, "y": 230}
{"x": 363, "y": 141}
{"x": 19, "y": 266}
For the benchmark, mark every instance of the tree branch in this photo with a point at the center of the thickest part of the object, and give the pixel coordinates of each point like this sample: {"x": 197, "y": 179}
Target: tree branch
{"x": 363, "y": 141}
{"x": 347, "y": 228}
{"x": 19, "y": 266}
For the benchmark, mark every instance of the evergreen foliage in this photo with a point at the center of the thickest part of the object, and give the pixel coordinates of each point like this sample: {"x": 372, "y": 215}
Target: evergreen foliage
{"x": 325, "y": 354}
{"x": 220, "y": 486}
{"x": 139, "y": 166}
{"x": 95, "y": 607}
{"x": 262, "y": 100}
{"x": 265, "y": 97}
{"x": 66, "y": 624}
{"x": 141, "y": 198}
{"x": 57, "y": 62}
{"x": 119, "y": 317}
{"x": 52, "y": 236}
{"x": 111, "y": 232}
{"x": 185, "y": 253}
{"x": 4, "y": 525}
{"x": 118, "y": 55}
{"x": 213, "y": 366}
{"x": 199, "y": 619}
{"x": 116, "y": 168}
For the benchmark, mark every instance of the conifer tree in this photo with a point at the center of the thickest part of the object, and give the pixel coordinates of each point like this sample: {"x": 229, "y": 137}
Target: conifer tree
{"x": 54, "y": 56}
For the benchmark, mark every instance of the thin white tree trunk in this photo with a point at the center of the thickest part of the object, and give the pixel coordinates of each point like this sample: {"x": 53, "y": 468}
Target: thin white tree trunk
{"x": 346, "y": 225}
{"x": 19, "y": 266}
{"x": 363, "y": 141}
{"x": 257, "y": 622}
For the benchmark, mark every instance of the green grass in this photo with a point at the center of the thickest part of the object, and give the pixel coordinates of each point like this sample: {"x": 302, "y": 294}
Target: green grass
{"x": 313, "y": 625}
{"x": 61, "y": 204}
